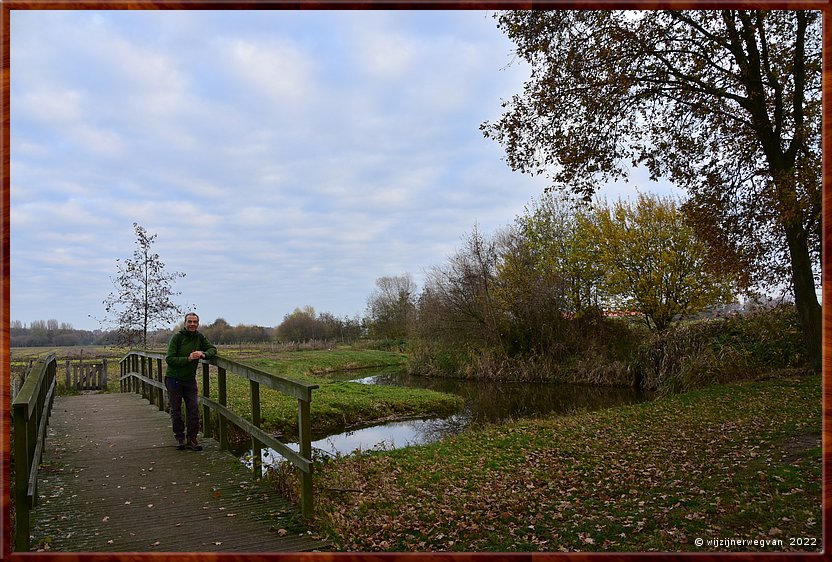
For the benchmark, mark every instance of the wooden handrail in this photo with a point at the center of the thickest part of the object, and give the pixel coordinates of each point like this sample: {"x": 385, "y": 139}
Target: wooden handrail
{"x": 137, "y": 376}
{"x": 30, "y": 415}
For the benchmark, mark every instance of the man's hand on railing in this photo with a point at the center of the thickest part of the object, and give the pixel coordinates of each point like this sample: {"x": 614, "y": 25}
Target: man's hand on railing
{"x": 196, "y": 355}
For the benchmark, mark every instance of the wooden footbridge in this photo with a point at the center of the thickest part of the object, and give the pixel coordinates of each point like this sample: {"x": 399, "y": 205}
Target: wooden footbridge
{"x": 99, "y": 472}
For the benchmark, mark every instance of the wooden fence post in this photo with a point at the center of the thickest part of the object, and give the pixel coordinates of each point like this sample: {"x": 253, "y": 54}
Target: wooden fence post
{"x": 21, "y": 454}
{"x": 144, "y": 389}
{"x": 207, "y": 430}
{"x": 222, "y": 392}
{"x": 305, "y": 443}
{"x": 136, "y": 383}
{"x": 161, "y": 379}
{"x": 152, "y": 390}
{"x": 256, "y": 446}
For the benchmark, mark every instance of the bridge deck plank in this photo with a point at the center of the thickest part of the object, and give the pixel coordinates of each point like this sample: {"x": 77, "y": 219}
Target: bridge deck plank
{"x": 113, "y": 481}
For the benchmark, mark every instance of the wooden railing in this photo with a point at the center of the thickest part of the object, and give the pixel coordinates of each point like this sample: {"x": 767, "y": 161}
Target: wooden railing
{"x": 30, "y": 415}
{"x": 139, "y": 375}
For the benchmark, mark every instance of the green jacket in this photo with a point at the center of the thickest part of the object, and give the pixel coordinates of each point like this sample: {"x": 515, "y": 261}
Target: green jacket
{"x": 181, "y": 345}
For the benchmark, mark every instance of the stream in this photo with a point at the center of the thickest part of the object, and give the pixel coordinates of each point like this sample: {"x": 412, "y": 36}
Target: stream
{"x": 485, "y": 403}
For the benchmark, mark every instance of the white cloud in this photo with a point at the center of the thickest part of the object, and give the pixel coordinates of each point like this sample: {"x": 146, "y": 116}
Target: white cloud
{"x": 52, "y": 106}
{"x": 385, "y": 54}
{"x": 278, "y": 72}
{"x": 71, "y": 114}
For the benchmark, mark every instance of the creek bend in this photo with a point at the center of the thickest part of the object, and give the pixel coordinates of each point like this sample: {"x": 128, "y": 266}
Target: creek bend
{"x": 485, "y": 403}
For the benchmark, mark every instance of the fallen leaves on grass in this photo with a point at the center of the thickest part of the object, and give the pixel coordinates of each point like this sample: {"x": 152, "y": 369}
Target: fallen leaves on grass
{"x": 637, "y": 478}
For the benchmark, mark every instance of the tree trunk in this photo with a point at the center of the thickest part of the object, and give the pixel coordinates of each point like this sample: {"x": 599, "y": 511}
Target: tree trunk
{"x": 805, "y": 298}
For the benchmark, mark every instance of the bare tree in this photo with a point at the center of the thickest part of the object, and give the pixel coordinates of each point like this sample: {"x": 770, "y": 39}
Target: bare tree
{"x": 142, "y": 299}
{"x": 466, "y": 285}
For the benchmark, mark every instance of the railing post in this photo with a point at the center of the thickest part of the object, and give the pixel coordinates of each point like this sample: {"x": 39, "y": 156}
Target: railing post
{"x": 152, "y": 390}
{"x": 143, "y": 371}
{"x": 256, "y": 446}
{"x": 40, "y": 412}
{"x": 161, "y": 378}
{"x": 305, "y": 442}
{"x": 222, "y": 393}
{"x": 68, "y": 373}
{"x": 137, "y": 384}
{"x": 53, "y": 377}
{"x": 21, "y": 472}
{"x": 44, "y": 410}
{"x": 207, "y": 429}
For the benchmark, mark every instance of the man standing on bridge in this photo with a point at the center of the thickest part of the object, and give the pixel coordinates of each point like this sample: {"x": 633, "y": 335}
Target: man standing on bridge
{"x": 185, "y": 350}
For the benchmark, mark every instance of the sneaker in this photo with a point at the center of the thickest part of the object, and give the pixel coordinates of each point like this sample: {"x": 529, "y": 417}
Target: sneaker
{"x": 193, "y": 445}
{"x": 181, "y": 445}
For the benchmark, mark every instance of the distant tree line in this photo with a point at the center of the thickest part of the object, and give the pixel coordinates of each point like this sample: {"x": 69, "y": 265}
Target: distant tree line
{"x": 304, "y": 324}
{"x": 44, "y": 333}
{"x": 301, "y": 325}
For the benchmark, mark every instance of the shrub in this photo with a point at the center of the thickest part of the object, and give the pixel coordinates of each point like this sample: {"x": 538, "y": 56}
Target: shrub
{"x": 697, "y": 354}
{"x": 437, "y": 359}
{"x": 595, "y": 352}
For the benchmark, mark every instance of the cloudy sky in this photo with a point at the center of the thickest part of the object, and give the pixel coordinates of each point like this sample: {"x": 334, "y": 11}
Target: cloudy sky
{"x": 283, "y": 159}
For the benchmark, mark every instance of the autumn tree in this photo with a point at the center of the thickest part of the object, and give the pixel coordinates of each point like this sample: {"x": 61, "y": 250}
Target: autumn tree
{"x": 532, "y": 297}
{"x": 219, "y": 331}
{"x": 390, "y": 305}
{"x": 558, "y": 247}
{"x": 653, "y": 261}
{"x": 300, "y": 325}
{"x": 726, "y": 104}
{"x": 143, "y": 293}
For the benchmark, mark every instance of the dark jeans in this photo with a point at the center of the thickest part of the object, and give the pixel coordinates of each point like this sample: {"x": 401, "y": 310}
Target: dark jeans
{"x": 177, "y": 390}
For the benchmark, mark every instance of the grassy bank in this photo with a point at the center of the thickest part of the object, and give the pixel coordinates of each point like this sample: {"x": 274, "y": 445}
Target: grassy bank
{"x": 335, "y": 404}
{"x": 735, "y": 461}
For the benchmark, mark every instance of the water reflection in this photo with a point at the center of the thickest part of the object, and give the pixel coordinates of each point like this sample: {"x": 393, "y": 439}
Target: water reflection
{"x": 490, "y": 402}
{"x": 485, "y": 403}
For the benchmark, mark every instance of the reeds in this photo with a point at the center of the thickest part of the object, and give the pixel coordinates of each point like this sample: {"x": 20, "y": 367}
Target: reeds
{"x": 698, "y": 354}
